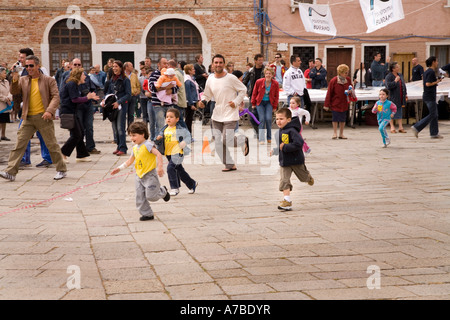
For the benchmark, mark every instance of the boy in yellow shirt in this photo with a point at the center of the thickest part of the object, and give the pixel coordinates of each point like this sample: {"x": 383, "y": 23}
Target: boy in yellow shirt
{"x": 175, "y": 146}
{"x": 147, "y": 158}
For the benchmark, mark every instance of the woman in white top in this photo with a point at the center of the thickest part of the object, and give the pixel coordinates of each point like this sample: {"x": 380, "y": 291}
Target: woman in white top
{"x": 5, "y": 103}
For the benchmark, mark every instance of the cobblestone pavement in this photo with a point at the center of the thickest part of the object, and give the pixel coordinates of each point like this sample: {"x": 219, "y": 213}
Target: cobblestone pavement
{"x": 374, "y": 226}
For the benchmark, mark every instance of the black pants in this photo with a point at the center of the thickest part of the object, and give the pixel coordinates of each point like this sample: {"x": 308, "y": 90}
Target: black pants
{"x": 76, "y": 141}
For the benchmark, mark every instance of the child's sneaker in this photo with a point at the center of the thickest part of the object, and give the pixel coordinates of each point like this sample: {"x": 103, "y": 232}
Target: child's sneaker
{"x": 192, "y": 191}
{"x": 285, "y": 205}
{"x": 167, "y": 196}
{"x": 174, "y": 192}
{"x": 307, "y": 152}
{"x": 311, "y": 181}
{"x": 145, "y": 218}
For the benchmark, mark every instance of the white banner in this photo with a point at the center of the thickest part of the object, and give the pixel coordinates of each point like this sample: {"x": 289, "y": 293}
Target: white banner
{"x": 317, "y": 18}
{"x": 380, "y": 13}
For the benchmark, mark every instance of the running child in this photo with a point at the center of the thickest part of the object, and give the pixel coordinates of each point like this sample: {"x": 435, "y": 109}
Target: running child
{"x": 149, "y": 165}
{"x": 290, "y": 155}
{"x": 173, "y": 141}
{"x": 385, "y": 111}
{"x": 295, "y": 107}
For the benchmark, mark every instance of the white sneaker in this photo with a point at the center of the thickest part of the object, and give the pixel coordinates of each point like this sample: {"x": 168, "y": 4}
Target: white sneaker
{"x": 174, "y": 192}
{"x": 192, "y": 191}
{"x": 85, "y": 159}
{"x": 60, "y": 175}
{"x": 7, "y": 176}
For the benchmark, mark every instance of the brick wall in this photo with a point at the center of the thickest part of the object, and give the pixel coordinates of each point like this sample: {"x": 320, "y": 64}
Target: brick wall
{"x": 229, "y": 26}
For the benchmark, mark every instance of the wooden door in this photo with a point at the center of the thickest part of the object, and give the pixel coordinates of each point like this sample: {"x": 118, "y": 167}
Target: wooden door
{"x": 404, "y": 61}
{"x": 336, "y": 57}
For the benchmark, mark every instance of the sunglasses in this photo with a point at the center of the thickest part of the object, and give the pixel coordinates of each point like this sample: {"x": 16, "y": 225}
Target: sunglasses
{"x": 29, "y": 66}
{"x": 77, "y": 64}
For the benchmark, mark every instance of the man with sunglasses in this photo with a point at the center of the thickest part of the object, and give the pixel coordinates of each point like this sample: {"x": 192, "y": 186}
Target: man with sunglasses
{"x": 26, "y": 159}
{"x": 279, "y": 69}
{"x": 40, "y": 97}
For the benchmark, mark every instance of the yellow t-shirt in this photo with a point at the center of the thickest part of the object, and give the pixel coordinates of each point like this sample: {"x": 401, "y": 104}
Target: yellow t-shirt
{"x": 171, "y": 146}
{"x": 145, "y": 161}
{"x": 36, "y": 106}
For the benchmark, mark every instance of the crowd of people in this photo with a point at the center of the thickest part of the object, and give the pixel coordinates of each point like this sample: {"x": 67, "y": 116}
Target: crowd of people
{"x": 166, "y": 97}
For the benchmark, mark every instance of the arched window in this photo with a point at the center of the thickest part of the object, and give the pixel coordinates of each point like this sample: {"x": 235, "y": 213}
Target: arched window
{"x": 174, "y": 38}
{"x": 70, "y": 42}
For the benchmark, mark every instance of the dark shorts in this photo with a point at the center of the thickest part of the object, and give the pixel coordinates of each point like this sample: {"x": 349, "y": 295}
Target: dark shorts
{"x": 338, "y": 116}
{"x": 4, "y": 117}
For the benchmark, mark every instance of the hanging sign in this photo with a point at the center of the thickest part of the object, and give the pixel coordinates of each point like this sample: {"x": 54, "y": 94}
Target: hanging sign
{"x": 380, "y": 13}
{"x": 317, "y": 18}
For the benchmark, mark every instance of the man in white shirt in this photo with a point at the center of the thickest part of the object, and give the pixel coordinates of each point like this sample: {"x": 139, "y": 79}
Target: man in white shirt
{"x": 228, "y": 92}
{"x": 294, "y": 81}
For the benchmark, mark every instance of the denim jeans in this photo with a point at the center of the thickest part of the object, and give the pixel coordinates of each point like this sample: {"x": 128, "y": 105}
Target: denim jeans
{"x": 45, "y": 154}
{"x": 144, "y": 111}
{"x": 118, "y": 126}
{"x": 175, "y": 173}
{"x": 131, "y": 107}
{"x": 160, "y": 112}
{"x": 151, "y": 119}
{"x": 377, "y": 83}
{"x": 431, "y": 118}
{"x": 265, "y": 119}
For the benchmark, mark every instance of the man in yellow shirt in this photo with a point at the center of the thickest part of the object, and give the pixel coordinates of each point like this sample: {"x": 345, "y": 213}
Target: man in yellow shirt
{"x": 40, "y": 101}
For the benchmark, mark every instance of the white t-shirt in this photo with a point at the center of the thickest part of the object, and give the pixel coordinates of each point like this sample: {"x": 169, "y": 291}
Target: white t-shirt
{"x": 223, "y": 91}
{"x": 294, "y": 81}
{"x": 299, "y": 112}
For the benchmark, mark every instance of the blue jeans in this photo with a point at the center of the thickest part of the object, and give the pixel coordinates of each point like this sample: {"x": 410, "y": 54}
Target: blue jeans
{"x": 377, "y": 83}
{"x": 175, "y": 173}
{"x": 45, "y": 154}
{"x": 431, "y": 118}
{"x": 160, "y": 112}
{"x": 118, "y": 126}
{"x": 131, "y": 107}
{"x": 151, "y": 119}
{"x": 144, "y": 111}
{"x": 265, "y": 119}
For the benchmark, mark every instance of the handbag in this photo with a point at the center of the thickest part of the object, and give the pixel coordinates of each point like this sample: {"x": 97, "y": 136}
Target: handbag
{"x": 67, "y": 121}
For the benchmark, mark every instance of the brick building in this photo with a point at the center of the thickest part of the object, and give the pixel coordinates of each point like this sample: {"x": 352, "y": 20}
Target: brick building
{"x": 128, "y": 30}
{"x": 424, "y": 31}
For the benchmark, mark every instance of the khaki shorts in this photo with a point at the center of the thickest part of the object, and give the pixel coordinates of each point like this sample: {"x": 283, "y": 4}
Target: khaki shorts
{"x": 299, "y": 170}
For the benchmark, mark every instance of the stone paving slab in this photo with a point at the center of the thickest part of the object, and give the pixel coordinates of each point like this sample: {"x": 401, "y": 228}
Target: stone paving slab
{"x": 370, "y": 206}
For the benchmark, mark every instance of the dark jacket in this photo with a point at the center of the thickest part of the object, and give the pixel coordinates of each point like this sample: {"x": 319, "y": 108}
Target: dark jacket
{"x": 395, "y": 90}
{"x": 70, "y": 97}
{"x": 318, "y": 80}
{"x": 250, "y": 79}
{"x": 121, "y": 88}
{"x": 292, "y": 153}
